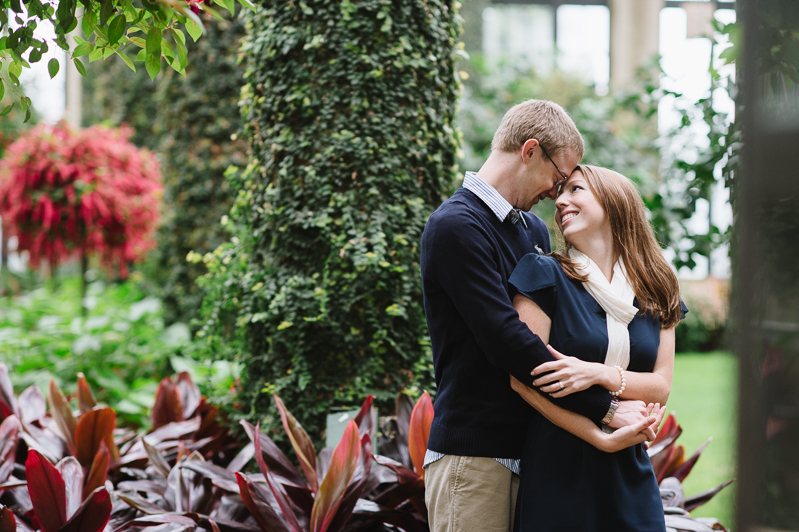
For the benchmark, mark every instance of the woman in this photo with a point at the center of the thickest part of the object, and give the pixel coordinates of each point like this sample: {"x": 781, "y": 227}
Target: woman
{"x": 613, "y": 301}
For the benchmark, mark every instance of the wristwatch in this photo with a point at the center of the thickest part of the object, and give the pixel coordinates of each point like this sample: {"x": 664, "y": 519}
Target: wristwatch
{"x": 614, "y": 404}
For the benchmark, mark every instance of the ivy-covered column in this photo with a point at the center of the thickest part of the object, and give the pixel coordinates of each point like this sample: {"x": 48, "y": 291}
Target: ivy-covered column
{"x": 349, "y": 107}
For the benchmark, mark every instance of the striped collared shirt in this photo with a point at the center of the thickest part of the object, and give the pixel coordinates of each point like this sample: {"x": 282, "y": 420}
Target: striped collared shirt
{"x": 501, "y": 208}
{"x": 489, "y": 195}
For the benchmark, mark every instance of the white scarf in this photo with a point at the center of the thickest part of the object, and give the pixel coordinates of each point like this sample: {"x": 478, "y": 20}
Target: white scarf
{"x": 616, "y": 299}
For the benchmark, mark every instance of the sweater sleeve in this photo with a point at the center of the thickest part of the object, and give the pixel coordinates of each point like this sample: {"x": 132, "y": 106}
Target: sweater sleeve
{"x": 459, "y": 255}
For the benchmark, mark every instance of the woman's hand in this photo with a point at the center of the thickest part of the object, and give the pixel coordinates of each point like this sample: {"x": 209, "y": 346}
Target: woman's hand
{"x": 632, "y": 434}
{"x": 570, "y": 374}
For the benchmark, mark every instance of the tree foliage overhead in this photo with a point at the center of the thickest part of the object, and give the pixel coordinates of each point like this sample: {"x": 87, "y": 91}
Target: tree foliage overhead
{"x": 349, "y": 108}
{"x": 150, "y": 32}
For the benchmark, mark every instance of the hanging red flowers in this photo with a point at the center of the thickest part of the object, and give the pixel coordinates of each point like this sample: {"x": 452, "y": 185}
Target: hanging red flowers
{"x": 89, "y": 191}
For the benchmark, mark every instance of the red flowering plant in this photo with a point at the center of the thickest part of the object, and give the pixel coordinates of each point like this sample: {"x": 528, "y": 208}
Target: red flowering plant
{"x": 66, "y": 192}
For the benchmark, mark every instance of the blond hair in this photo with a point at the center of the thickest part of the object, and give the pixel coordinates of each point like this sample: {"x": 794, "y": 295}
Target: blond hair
{"x": 545, "y": 121}
{"x": 652, "y": 279}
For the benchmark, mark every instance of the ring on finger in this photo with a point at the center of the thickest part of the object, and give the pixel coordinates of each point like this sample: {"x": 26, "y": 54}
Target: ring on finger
{"x": 561, "y": 385}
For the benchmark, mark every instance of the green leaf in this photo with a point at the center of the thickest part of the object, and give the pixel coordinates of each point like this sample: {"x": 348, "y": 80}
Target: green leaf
{"x": 106, "y": 11}
{"x": 79, "y": 66}
{"x": 167, "y": 51}
{"x": 183, "y": 57}
{"x": 96, "y": 54}
{"x": 83, "y": 49}
{"x": 127, "y": 61}
{"x": 35, "y": 56}
{"x": 138, "y": 41}
{"x": 2, "y": 89}
{"x": 194, "y": 29}
{"x": 142, "y": 55}
{"x": 117, "y": 28}
{"x": 15, "y": 69}
{"x": 153, "y": 64}
{"x": 230, "y": 5}
{"x": 7, "y": 109}
{"x": 179, "y": 36}
{"x": 65, "y": 14}
{"x": 52, "y": 67}
{"x": 153, "y": 42}
{"x": 86, "y": 24}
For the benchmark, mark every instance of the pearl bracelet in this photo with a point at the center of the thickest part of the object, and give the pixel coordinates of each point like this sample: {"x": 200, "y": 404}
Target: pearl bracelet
{"x": 623, "y": 382}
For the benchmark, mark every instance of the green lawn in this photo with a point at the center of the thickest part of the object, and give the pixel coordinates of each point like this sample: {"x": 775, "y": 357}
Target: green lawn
{"x": 704, "y": 400}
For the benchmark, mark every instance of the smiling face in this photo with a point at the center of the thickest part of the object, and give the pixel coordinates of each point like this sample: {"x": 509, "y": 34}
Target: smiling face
{"x": 579, "y": 214}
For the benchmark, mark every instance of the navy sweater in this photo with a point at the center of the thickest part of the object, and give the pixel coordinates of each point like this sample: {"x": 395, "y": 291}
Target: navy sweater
{"x": 477, "y": 336}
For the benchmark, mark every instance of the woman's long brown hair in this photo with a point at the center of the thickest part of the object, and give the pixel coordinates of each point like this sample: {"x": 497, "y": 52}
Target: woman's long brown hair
{"x": 652, "y": 279}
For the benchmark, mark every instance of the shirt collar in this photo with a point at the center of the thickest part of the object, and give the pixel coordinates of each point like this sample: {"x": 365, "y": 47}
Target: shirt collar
{"x": 488, "y": 194}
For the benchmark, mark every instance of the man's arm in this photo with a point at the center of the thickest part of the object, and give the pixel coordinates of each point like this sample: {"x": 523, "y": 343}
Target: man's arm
{"x": 477, "y": 290}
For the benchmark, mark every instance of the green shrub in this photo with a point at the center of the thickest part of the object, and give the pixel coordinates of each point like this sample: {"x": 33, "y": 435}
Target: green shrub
{"x": 122, "y": 346}
{"x": 349, "y": 108}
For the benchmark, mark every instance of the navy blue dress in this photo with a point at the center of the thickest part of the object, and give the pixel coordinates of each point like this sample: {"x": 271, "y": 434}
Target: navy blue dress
{"x": 567, "y": 484}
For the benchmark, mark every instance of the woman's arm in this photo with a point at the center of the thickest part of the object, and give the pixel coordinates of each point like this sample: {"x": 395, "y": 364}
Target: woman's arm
{"x": 580, "y": 426}
{"x": 584, "y": 428}
{"x": 576, "y": 375}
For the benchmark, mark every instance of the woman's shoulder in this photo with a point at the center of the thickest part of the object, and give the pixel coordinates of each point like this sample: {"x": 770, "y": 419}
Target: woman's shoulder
{"x": 534, "y": 272}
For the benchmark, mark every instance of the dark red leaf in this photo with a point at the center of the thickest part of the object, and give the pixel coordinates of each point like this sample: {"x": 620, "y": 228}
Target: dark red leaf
{"x": 72, "y": 473}
{"x": 173, "y": 431}
{"x": 342, "y": 468}
{"x": 258, "y": 499}
{"x": 669, "y": 430}
{"x": 405, "y": 475}
{"x": 86, "y": 400}
{"x": 364, "y": 418}
{"x": 282, "y": 501}
{"x": 8, "y": 523}
{"x": 165, "y": 518}
{"x": 32, "y": 404}
{"x": 276, "y": 461}
{"x": 691, "y": 503}
{"x": 140, "y": 503}
{"x": 47, "y": 492}
{"x": 355, "y": 488}
{"x": 95, "y": 427}
{"x": 158, "y": 461}
{"x": 190, "y": 395}
{"x": 301, "y": 442}
{"x": 168, "y": 405}
{"x": 93, "y": 514}
{"x": 98, "y": 471}
{"x": 243, "y": 457}
{"x": 7, "y": 391}
{"x": 683, "y": 469}
{"x": 62, "y": 413}
{"x": 421, "y": 419}
{"x": 9, "y": 440}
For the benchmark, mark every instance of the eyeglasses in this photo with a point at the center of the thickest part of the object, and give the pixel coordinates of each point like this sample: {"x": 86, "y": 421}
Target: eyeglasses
{"x": 563, "y": 178}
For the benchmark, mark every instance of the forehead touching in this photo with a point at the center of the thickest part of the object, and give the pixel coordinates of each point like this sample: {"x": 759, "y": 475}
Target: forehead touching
{"x": 576, "y": 176}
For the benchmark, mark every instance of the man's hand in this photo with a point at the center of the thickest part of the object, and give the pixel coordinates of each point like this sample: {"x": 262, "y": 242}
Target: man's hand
{"x": 631, "y": 413}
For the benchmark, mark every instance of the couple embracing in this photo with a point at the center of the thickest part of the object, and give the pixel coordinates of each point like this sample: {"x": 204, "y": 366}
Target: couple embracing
{"x": 551, "y": 368}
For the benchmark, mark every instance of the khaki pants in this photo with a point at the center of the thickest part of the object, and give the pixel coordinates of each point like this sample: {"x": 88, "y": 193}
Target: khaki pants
{"x": 470, "y": 494}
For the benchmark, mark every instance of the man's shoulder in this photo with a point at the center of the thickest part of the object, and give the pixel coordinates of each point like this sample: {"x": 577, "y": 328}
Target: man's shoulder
{"x": 458, "y": 213}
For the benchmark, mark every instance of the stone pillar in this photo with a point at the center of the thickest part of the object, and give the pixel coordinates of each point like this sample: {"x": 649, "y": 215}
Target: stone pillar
{"x": 74, "y": 83}
{"x": 634, "y": 33}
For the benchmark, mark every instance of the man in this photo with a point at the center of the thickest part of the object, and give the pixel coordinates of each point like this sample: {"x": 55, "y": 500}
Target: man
{"x": 470, "y": 246}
